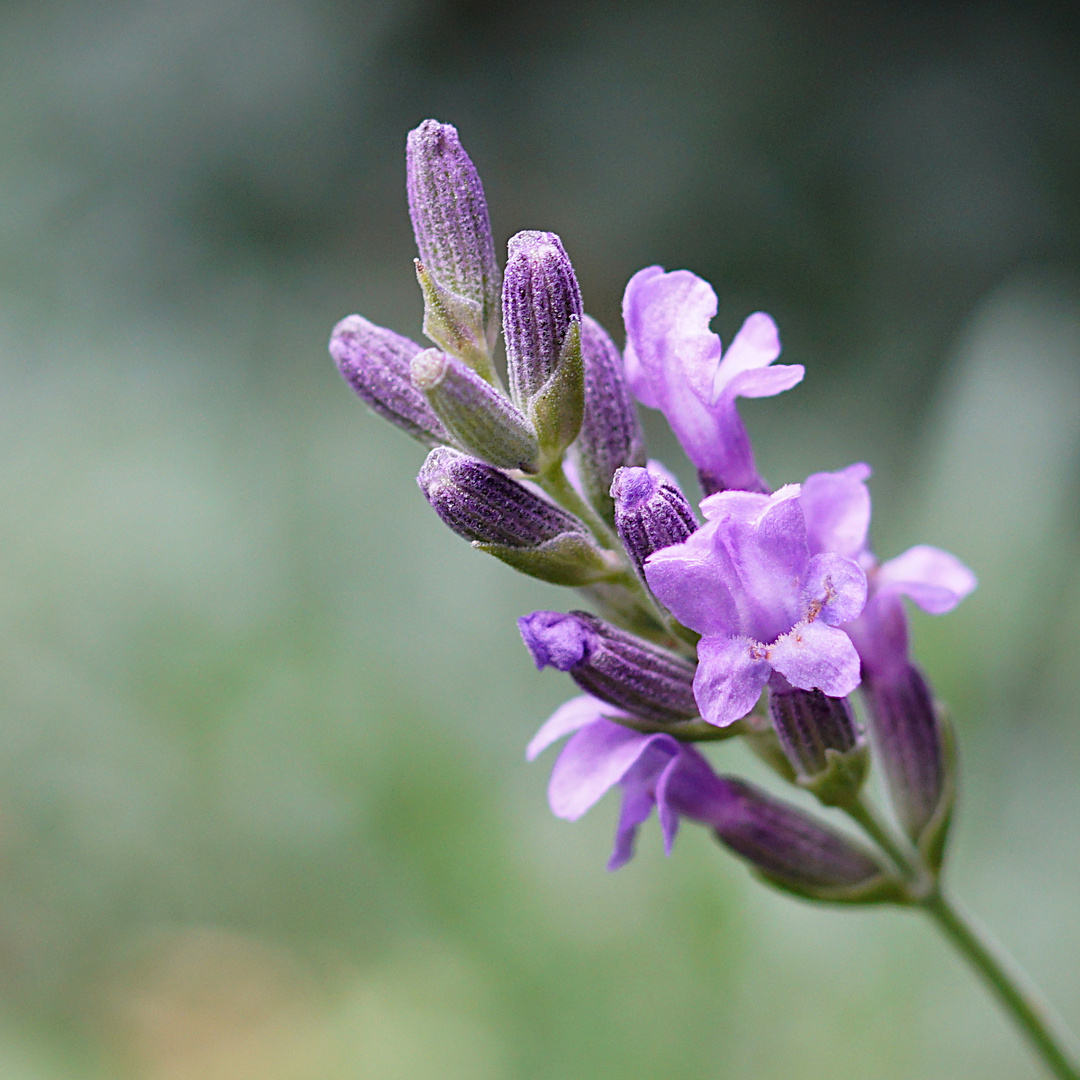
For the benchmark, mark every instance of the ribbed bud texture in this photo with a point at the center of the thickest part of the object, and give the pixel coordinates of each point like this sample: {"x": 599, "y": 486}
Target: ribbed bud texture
{"x": 483, "y": 421}
{"x": 908, "y": 738}
{"x": 650, "y": 513}
{"x": 375, "y": 362}
{"x": 483, "y": 504}
{"x": 612, "y": 665}
{"x": 450, "y": 219}
{"x": 540, "y": 299}
{"x": 808, "y": 723}
{"x": 791, "y": 847}
{"x": 610, "y": 435}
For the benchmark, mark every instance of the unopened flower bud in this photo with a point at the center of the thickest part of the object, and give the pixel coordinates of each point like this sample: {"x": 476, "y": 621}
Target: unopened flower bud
{"x": 542, "y": 326}
{"x": 797, "y": 853}
{"x": 511, "y": 521}
{"x": 375, "y": 362}
{"x": 610, "y": 435}
{"x": 651, "y": 513}
{"x": 612, "y": 665}
{"x": 453, "y": 234}
{"x": 483, "y": 421}
{"x": 820, "y": 739}
{"x": 909, "y": 737}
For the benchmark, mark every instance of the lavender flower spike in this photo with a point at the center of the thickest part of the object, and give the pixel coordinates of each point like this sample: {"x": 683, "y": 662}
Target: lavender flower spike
{"x": 610, "y": 435}
{"x": 789, "y": 848}
{"x": 612, "y": 665}
{"x": 673, "y": 363}
{"x": 746, "y": 581}
{"x": 483, "y": 421}
{"x": 453, "y": 234}
{"x": 375, "y": 362}
{"x": 650, "y": 513}
{"x": 511, "y": 521}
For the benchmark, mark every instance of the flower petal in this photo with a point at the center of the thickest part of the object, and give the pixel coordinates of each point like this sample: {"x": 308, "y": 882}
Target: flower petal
{"x": 815, "y": 656}
{"x": 567, "y": 718}
{"x": 763, "y": 382}
{"x": 936, "y": 580}
{"x": 756, "y": 345}
{"x": 595, "y": 758}
{"x": 836, "y": 506}
{"x": 729, "y": 679}
{"x": 640, "y": 787}
{"x": 835, "y": 589}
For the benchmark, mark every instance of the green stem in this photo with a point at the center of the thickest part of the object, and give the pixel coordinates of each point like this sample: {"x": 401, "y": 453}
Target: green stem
{"x": 1011, "y": 988}
{"x": 554, "y": 482}
{"x": 1015, "y": 993}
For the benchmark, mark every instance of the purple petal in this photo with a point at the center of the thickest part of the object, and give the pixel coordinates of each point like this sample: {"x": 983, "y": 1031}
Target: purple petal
{"x": 738, "y": 505}
{"x": 640, "y": 785}
{"x": 756, "y": 345}
{"x": 835, "y": 589}
{"x": 815, "y": 656}
{"x": 595, "y": 758}
{"x": 554, "y": 639}
{"x": 730, "y": 677}
{"x": 880, "y": 635}
{"x": 763, "y": 382}
{"x": 636, "y": 377}
{"x": 836, "y": 506}
{"x": 568, "y": 717}
{"x": 691, "y": 789}
{"x": 934, "y": 579}
{"x": 690, "y": 578}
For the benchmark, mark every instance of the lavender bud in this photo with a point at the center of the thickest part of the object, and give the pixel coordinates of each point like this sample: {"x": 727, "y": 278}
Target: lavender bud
{"x": 612, "y": 665}
{"x": 610, "y": 434}
{"x": 482, "y": 420}
{"x": 453, "y": 232}
{"x": 793, "y": 851}
{"x": 375, "y": 362}
{"x": 511, "y": 521}
{"x": 650, "y": 513}
{"x": 820, "y": 739}
{"x": 913, "y": 750}
{"x": 541, "y": 299}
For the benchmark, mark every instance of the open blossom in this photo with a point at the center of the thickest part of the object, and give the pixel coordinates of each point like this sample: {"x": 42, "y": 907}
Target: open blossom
{"x": 676, "y": 364}
{"x": 781, "y": 842}
{"x": 653, "y": 770}
{"x": 836, "y": 507}
{"x": 766, "y": 606}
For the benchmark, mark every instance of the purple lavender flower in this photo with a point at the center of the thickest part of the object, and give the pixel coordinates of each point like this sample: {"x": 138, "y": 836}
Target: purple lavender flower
{"x": 765, "y": 606}
{"x": 375, "y": 362}
{"x": 673, "y": 363}
{"x": 612, "y": 664}
{"x": 650, "y": 513}
{"x": 453, "y": 233}
{"x": 788, "y": 847}
{"x": 906, "y": 727}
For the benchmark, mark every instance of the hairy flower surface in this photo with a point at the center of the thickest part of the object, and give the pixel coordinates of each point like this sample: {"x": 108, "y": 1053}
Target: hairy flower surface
{"x": 676, "y": 364}
{"x": 765, "y": 606}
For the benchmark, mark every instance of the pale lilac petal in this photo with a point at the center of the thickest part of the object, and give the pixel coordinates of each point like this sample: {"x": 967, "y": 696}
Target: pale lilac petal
{"x": 729, "y": 679}
{"x": 756, "y": 345}
{"x": 567, "y": 718}
{"x": 763, "y": 382}
{"x": 836, "y": 506}
{"x": 691, "y": 789}
{"x": 936, "y": 580}
{"x": 665, "y": 811}
{"x": 738, "y": 505}
{"x": 689, "y": 579}
{"x": 815, "y": 656}
{"x": 640, "y": 787}
{"x": 633, "y": 303}
{"x": 880, "y": 635}
{"x": 835, "y": 589}
{"x": 596, "y": 757}
{"x": 667, "y": 326}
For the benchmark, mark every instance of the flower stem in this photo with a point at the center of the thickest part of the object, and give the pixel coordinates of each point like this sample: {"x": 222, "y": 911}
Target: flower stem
{"x": 1020, "y": 1000}
{"x": 1013, "y": 990}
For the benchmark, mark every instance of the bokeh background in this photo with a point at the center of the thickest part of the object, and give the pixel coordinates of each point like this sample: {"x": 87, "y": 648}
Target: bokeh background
{"x": 263, "y": 806}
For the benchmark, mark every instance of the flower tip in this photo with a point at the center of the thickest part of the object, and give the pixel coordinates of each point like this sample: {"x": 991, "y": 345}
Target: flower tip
{"x": 633, "y": 486}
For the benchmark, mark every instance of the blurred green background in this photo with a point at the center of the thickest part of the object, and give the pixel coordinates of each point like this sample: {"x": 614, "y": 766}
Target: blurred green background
{"x": 264, "y": 811}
